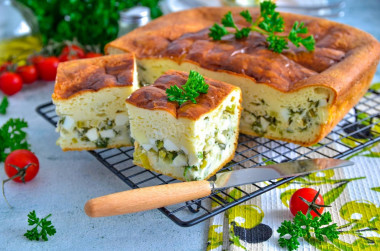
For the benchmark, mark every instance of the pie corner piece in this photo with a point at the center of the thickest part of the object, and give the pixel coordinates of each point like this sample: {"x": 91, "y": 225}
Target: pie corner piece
{"x": 191, "y": 141}
{"x": 296, "y": 96}
{"x": 90, "y": 95}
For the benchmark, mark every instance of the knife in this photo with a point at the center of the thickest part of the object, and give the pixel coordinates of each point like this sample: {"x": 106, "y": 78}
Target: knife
{"x": 147, "y": 198}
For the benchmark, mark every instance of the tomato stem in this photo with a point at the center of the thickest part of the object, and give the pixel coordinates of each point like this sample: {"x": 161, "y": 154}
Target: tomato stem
{"x": 21, "y": 172}
{"x": 312, "y": 205}
{"x": 4, "y": 181}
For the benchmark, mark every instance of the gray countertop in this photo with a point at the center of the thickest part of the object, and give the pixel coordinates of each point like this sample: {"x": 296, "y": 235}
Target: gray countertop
{"x": 67, "y": 180}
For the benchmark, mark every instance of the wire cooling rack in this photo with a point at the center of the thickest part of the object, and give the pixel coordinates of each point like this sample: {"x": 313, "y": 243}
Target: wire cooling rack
{"x": 359, "y": 129}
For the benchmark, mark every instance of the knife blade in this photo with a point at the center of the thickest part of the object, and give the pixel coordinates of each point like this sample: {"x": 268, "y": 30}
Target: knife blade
{"x": 147, "y": 198}
{"x": 275, "y": 171}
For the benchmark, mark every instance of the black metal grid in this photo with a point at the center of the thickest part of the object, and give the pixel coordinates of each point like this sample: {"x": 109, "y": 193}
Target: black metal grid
{"x": 359, "y": 125}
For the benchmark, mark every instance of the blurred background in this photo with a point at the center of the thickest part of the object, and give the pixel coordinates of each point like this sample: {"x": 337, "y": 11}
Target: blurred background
{"x": 28, "y": 25}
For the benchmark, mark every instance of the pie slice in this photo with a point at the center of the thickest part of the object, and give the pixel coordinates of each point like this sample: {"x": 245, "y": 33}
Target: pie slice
{"x": 90, "y": 96}
{"x": 188, "y": 141}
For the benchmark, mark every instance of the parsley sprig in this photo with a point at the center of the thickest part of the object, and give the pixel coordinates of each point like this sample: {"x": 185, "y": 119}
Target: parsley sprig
{"x": 4, "y": 105}
{"x": 46, "y": 227}
{"x": 268, "y": 23}
{"x": 303, "y": 226}
{"x": 12, "y": 137}
{"x": 194, "y": 86}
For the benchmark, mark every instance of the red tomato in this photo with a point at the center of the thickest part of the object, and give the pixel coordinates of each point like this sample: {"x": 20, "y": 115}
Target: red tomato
{"x": 93, "y": 55}
{"x": 73, "y": 50}
{"x": 28, "y": 73}
{"x": 296, "y": 204}
{"x": 47, "y": 68}
{"x": 4, "y": 66}
{"x": 26, "y": 162}
{"x": 67, "y": 57}
{"x": 10, "y": 83}
{"x": 36, "y": 59}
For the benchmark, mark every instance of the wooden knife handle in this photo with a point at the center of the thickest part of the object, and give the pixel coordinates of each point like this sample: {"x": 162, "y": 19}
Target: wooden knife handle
{"x": 147, "y": 198}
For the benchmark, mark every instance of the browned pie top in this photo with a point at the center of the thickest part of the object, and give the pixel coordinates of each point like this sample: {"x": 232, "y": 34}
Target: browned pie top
{"x": 93, "y": 74}
{"x": 341, "y": 55}
{"x": 154, "y": 97}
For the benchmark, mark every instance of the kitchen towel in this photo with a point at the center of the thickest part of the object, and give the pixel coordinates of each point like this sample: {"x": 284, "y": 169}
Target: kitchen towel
{"x": 353, "y": 193}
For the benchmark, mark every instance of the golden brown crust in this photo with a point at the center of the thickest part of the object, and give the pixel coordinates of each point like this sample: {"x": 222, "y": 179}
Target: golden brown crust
{"x": 342, "y": 53}
{"x": 154, "y": 97}
{"x": 93, "y": 74}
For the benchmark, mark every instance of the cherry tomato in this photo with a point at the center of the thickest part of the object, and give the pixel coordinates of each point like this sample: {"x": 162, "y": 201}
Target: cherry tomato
{"x": 296, "y": 204}
{"x": 73, "y": 50}
{"x": 4, "y": 66}
{"x": 93, "y": 55}
{"x": 67, "y": 57}
{"x": 28, "y": 73}
{"x": 22, "y": 163}
{"x": 10, "y": 83}
{"x": 36, "y": 59}
{"x": 47, "y": 68}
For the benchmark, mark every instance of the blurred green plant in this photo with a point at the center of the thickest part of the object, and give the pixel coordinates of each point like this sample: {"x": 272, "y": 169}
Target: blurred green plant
{"x": 92, "y": 22}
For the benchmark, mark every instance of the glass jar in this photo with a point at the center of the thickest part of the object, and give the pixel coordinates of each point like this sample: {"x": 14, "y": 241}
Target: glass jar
{"x": 132, "y": 18}
{"x": 19, "y": 34}
{"x": 244, "y": 3}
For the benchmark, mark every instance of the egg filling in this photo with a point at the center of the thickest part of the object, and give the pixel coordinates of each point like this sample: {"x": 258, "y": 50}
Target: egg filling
{"x": 94, "y": 133}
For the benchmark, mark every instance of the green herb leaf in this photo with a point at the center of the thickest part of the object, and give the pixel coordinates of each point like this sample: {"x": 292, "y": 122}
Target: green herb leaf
{"x": 247, "y": 16}
{"x": 303, "y": 226}
{"x": 267, "y": 8}
{"x": 244, "y": 32}
{"x": 217, "y": 32}
{"x": 46, "y": 227}
{"x": 32, "y": 218}
{"x": 176, "y": 94}
{"x": 228, "y": 20}
{"x": 287, "y": 227}
{"x": 195, "y": 85}
{"x": 308, "y": 43}
{"x": 4, "y": 105}
{"x": 299, "y": 28}
{"x": 268, "y": 23}
{"x": 277, "y": 44}
{"x": 12, "y": 137}
{"x": 272, "y": 23}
